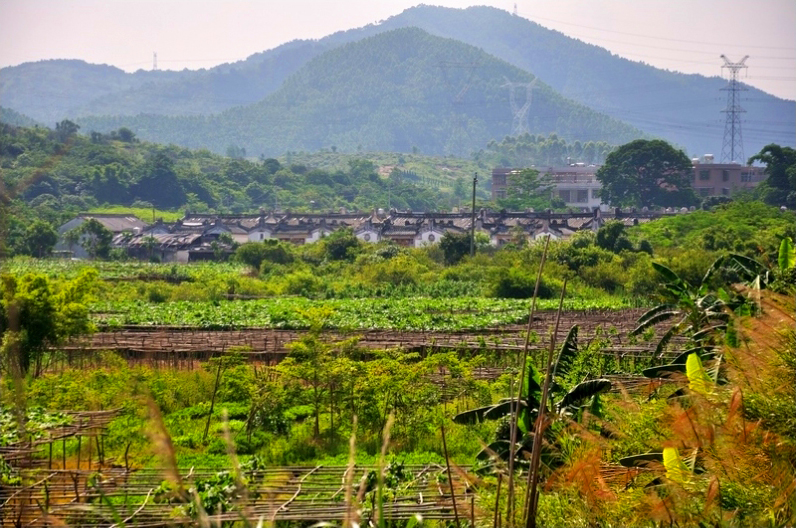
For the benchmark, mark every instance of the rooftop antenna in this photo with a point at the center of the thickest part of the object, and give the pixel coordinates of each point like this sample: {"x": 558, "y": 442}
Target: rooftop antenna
{"x": 733, "y": 140}
{"x": 154, "y": 61}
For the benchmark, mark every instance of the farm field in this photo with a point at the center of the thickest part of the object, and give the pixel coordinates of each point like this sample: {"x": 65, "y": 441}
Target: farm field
{"x": 416, "y": 314}
{"x": 241, "y": 393}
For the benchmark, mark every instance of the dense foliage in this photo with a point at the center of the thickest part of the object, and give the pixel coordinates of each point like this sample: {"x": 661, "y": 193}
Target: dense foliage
{"x": 780, "y": 187}
{"x": 646, "y": 173}
{"x": 537, "y": 150}
{"x": 393, "y": 91}
{"x": 49, "y": 175}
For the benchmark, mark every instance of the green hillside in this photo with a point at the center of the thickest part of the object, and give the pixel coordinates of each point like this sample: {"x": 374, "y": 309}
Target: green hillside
{"x": 684, "y": 109}
{"x": 12, "y": 117}
{"x": 401, "y": 90}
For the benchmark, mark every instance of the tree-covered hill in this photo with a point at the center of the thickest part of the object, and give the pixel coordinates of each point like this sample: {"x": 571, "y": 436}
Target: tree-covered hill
{"x": 51, "y": 175}
{"x": 396, "y": 91}
{"x": 684, "y": 109}
{"x": 51, "y": 90}
{"x": 12, "y": 117}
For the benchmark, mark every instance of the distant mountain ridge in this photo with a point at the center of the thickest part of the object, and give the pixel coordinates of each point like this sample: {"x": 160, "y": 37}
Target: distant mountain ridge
{"x": 394, "y": 91}
{"x": 684, "y": 109}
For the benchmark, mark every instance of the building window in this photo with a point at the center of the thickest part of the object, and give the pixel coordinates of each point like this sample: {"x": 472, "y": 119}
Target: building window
{"x": 746, "y": 177}
{"x": 261, "y": 236}
{"x": 725, "y": 191}
{"x": 595, "y": 194}
{"x": 705, "y": 191}
{"x": 366, "y": 237}
{"x": 725, "y": 175}
{"x": 431, "y": 237}
{"x": 704, "y": 175}
{"x": 564, "y": 195}
{"x": 583, "y": 195}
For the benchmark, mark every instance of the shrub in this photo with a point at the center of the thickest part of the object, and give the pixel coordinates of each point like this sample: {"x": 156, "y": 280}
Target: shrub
{"x": 514, "y": 283}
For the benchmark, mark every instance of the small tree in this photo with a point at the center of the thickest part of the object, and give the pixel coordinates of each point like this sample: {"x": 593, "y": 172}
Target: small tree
{"x": 34, "y": 316}
{"x": 526, "y": 189}
{"x": 96, "y": 239}
{"x": 341, "y": 245}
{"x": 454, "y": 246}
{"x": 40, "y": 238}
{"x": 72, "y": 238}
{"x": 780, "y": 186}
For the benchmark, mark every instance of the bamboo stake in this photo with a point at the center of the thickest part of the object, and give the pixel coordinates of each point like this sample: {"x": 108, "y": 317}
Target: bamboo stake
{"x": 533, "y": 474}
{"x": 515, "y": 406}
{"x": 213, "y": 400}
{"x": 497, "y": 500}
{"x": 450, "y": 478}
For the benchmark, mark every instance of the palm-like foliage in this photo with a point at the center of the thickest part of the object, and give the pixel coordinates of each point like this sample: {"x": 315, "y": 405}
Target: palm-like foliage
{"x": 562, "y": 402}
{"x": 697, "y": 312}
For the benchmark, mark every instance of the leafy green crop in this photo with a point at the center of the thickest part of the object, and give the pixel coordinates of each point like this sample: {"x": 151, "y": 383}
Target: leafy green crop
{"x": 416, "y": 314}
{"x": 38, "y": 421}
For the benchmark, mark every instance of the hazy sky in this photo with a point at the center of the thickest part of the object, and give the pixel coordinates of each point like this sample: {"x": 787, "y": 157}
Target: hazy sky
{"x": 683, "y": 35}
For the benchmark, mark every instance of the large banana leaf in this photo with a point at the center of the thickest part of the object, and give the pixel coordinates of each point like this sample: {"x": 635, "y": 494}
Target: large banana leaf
{"x": 567, "y": 353}
{"x": 662, "y": 313}
{"x": 670, "y": 333}
{"x": 472, "y": 416}
{"x": 698, "y": 379}
{"x": 502, "y": 409}
{"x": 500, "y": 449}
{"x": 672, "y": 279}
{"x": 787, "y": 255}
{"x": 641, "y": 460}
{"x": 702, "y": 334}
{"x": 584, "y": 391}
{"x": 705, "y": 352}
{"x": 662, "y": 371}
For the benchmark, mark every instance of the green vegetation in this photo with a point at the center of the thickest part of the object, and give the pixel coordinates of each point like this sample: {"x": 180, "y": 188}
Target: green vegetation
{"x": 529, "y": 150}
{"x": 397, "y": 93}
{"x": 780, "y": 162}
{"x": 646, "y": 174}
{"x": 301, "y": 411}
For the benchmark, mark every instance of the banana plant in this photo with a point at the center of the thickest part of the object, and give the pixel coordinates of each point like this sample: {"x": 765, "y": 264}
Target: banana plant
{"x": 562, "y": 403}
{"x": 697, "y": 312}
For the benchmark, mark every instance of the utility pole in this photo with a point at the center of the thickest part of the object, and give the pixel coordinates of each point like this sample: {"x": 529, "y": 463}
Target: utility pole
{"x": 472, "y": 220}
{"x": 733, "y": 140}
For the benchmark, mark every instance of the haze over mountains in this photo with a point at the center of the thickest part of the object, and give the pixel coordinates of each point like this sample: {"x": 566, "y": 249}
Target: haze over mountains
{"x": 367, "y": 97}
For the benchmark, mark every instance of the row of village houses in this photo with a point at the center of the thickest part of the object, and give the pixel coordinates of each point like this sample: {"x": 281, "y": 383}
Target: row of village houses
{"x": 202, "y": 236}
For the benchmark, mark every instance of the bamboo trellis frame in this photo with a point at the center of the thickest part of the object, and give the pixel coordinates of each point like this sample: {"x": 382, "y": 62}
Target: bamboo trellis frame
{"x": 295, "y": 493}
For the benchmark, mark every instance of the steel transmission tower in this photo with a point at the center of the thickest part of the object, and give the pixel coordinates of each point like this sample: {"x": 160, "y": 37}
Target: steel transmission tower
{"x": 732, "y": 147}
{"x": 154, "y": 60}
{"x": 519, "y": 124}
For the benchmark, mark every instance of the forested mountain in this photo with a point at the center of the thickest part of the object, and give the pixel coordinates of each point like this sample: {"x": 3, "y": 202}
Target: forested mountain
{"x": 685, "y": 109}
{"x": 397, "y": 91}
{"x": 11, "y": 117}
{"x": 51, "y": 90}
